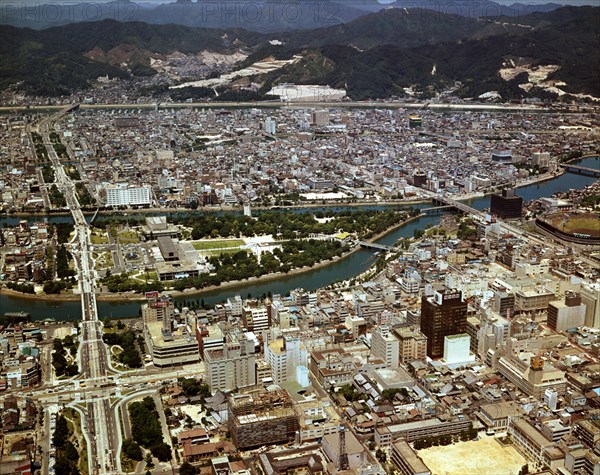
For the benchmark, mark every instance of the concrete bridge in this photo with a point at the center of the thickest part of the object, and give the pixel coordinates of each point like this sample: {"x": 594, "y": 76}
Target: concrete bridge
{"x": 581, "y": 170}
{"x": 378, "y": 247}
{"x": 437, "y": 209}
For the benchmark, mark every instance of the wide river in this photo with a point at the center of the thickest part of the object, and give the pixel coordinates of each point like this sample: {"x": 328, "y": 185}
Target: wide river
{"x": 344, "y": 269}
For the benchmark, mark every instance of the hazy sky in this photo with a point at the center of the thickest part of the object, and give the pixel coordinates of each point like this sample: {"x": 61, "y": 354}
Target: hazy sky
{"x": 503, "y": 2}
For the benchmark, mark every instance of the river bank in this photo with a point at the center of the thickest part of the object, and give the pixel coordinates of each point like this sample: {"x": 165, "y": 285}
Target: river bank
{"x": 219, "y": 209}
{"x": 344, "y": 269}
{"x": 193, "y": 292}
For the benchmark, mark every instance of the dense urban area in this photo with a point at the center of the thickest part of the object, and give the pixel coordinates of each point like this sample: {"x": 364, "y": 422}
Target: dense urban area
{"x": 470, "y": 346}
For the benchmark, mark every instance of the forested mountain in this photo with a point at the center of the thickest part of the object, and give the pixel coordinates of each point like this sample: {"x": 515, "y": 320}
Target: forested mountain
{"x": 375, "y": 56}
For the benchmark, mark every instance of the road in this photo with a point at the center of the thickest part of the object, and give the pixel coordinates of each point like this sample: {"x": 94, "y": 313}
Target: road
{"x": 100, "y": 424}
{"x": 304, "y": 105}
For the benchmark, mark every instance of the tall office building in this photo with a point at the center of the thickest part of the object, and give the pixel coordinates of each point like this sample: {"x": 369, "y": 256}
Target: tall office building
{"x": 506, "y": 205}
{"x": 443, "y": 314}
{"x": 385, "y": 346}
{"x": 232, "y": 367}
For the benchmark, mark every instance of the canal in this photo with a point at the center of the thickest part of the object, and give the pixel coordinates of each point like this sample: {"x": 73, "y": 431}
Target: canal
{"x": 344, "y": 269}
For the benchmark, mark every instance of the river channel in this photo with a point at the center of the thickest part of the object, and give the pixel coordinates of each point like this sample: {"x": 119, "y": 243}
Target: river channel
{"x": 343, "y": 269}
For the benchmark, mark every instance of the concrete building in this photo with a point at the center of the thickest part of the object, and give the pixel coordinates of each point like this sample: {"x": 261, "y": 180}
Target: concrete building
{"x": 534, "y": 446}
{"x": 532, "y": 302}
{"x": 554, "y": 430}
{"x": 590, "y": 296}
{"x": 320, "y": 117}
{"x": 385, "y": 346}
{"x": 170, "y": 348}
{"x": 410, "y": 431}
{"x": 567, "y": 313}
{"x": 496, "y": 416}
{"x": 123, "y": 195}
{"x": 332, "y": 367}
{"x": 412, "y": 344}
{"x": 456, "y": 348}
{"x": 232, "y": 367}
{"x": 443, "y": 314}
{"x": 168, "y": 249}
{"x": 256, "y": 318}
{"x": 407, "y": 460}
{"x": 157, "y": 226}
{"x": 531, "y": 374}
{"x": 284, "y": 356}
{"x": 158, "y": 308}
{"x": 261, "y": 418}
{"x": 506, "y": 205}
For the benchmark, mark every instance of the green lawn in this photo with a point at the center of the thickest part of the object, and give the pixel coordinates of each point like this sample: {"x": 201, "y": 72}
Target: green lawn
{"x": 128, "y": 237}
{"x": 99, "y": 239}
{"x": 218, "y": 244}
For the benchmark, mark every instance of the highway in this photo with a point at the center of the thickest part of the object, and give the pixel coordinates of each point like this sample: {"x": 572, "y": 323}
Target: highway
{"x": 99, "y": 424}
{"x": 304, "y": 105}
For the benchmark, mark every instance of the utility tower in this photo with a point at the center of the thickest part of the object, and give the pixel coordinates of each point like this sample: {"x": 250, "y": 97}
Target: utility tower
{"x": 343, "y": 462}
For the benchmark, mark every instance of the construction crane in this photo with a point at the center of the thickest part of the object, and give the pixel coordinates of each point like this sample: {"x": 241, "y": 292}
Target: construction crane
{"x": 343, "y": 461}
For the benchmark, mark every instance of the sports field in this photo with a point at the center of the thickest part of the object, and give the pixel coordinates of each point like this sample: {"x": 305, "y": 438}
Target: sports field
{"x": 576, "y": 223}
{"x": 481, "y": 457}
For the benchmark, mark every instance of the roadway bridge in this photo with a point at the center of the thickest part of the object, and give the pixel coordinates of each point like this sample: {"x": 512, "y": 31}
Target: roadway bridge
{"x": 445, "y": 201}
{"x": 373, "y": 245}
{"x": 436, "y": 209}
{"x": 581, "y": 170}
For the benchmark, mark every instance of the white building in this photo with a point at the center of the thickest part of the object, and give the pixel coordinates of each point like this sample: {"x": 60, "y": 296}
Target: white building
{"x": 456, "y": 348}
{"x": 123, "y": 195}
{"x": 285, "y": 356}
{"x": 233, "y": 366}
{"x": 270, "y": 126}
{"x": 385, "y": 346}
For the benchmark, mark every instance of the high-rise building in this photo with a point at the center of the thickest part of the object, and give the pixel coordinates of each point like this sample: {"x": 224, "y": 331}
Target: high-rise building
{"x": 385, "y": 346}
{"x": 158, "y": 309}
{"x": 270, "y": 126}
{"x": 506, "y": 205}
{"x": 590, "y": 296}
{"x": 443, "y": 314}
{"x": 233, "y": 366}
{"x": 284, "y": 356}
{"x": 123, "y": 195}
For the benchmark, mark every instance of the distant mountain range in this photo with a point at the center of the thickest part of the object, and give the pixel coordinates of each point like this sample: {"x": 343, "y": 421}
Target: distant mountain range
{"x": 259, "y": 15}
{"x": 377, "y": 55}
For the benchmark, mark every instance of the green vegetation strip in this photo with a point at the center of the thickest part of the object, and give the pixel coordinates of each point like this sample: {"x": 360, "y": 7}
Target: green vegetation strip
{"x": 146, "y": 431}
{"x": 218, "y": 244}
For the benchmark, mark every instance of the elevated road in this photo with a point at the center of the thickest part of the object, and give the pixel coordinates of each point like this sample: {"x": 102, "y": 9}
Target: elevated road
{"x": 100, "y": 424}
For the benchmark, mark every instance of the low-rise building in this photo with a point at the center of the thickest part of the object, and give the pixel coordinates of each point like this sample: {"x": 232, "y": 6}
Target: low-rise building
{"x": 407, "y": 461}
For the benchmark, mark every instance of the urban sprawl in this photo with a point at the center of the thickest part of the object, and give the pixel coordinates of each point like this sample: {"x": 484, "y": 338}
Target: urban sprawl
{"x": 469, "y": 347}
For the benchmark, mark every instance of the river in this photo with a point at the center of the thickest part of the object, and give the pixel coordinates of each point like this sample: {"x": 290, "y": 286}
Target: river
{"x": 340, "y": 270}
